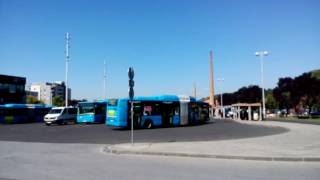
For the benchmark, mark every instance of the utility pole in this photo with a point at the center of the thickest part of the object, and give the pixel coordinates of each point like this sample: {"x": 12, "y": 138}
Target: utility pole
{"x": 211, "y": 100}
{"x": 67, "y": 61}
{"x": 131, "y": 95}
{"x": 221, "y": 97}
{"x": 261, "y": 54}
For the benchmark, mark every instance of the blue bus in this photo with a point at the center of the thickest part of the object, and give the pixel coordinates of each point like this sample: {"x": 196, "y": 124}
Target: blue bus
{"x": 23, "y": 113}
{"x": 157, "y": 111}
{"x": 91, "y": 112}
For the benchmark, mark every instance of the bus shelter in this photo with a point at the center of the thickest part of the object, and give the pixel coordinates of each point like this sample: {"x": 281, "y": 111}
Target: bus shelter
{"x": 252, "y": 110}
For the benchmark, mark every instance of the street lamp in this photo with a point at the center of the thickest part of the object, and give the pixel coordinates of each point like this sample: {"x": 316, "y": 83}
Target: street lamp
{"x": 221, "y": 96}
{"x": 261, "y": 54}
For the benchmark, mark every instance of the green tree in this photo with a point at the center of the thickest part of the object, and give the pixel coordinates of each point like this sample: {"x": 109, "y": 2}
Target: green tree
{"x": 33, "y": 100}
{"x": 57, "y": 101}
{"x": 301, "y": 92}
{"x": 283, "y": 93}
{"x": 307, "y": 90}
{"x": 271, "y": 102}
{"x": 250, "y": 94}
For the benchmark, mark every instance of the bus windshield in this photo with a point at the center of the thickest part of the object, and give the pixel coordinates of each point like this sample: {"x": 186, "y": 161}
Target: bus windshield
{"x": 113, "y": 102}
{"x": 86, "y": 108}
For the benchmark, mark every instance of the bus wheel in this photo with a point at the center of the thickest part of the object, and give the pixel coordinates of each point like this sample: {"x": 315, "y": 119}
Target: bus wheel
{"x": 148, "y": 124}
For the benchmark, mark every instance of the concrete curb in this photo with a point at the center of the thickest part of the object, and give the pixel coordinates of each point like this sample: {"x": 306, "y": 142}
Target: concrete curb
{"x": 299, "y": 121}
{"x": 113, "y": 150}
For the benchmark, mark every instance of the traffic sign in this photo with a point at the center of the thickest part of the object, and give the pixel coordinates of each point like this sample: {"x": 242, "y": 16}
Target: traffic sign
{"x": 131, "y": 94}
{"x": 131, "y": 73}
{"x": 131, "y": 83}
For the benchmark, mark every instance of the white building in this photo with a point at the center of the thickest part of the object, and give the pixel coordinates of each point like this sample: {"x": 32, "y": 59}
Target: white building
{"x": 47, "y": 91}
{"x": 31, "y": 93}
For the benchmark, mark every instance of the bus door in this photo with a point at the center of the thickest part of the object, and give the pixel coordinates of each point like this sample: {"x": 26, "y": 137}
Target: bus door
{"x": 2, "y": 114}
{"x": 167, "y": 114}
{"x": 176, "y": 114}
{"x": 193, "y": 113}
{"x": 99, "y": 113}
{"x": 183, "y": 113}
{"x": 137, "y": 112}
{"x": 203, "y": 112}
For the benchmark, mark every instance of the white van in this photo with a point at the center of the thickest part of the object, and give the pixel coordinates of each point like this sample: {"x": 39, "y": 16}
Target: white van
{"x": 61, "y": 115}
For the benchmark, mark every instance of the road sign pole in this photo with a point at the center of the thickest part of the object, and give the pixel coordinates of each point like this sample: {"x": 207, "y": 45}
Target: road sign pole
{"x": 131, "y": 94}
{"x": 132, "y": 122}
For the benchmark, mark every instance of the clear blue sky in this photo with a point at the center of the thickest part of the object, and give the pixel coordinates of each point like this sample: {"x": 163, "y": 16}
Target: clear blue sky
{"x": 167, "y": 42}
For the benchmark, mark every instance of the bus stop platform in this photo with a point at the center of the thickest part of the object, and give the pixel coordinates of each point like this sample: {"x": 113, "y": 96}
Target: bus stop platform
{"x": 299, "y": 144}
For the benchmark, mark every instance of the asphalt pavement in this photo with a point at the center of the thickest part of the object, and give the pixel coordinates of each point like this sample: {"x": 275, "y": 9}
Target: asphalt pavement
{"x": 47, "y": 161}
{"x": 35, "y": 151}
{"x": 300, "y": 143}
{"x": 101, "y": 134}
{"x": 296, "y": 120}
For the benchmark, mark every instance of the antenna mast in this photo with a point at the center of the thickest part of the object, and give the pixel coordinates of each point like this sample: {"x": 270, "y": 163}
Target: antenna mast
{"x": 67, "y": 61}
{"x": 194, "y": 90}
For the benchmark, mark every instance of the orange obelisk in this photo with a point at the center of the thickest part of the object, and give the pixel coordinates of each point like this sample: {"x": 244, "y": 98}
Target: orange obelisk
{"x": 211, "y": 100}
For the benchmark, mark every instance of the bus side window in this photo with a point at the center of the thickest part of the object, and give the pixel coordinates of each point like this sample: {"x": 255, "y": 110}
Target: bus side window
{"x": 73, "y": 111}
{"x": 103, "y": 110}
{"x": 1, "y": 112}
{"x": 156, "y": 110}
{"x": 147, "y": 110}
{"x": 96, "y": 109}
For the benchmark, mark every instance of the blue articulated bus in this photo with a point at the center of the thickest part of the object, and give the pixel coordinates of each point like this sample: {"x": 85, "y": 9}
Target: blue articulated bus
{"x": 22, "y": 113}
{"x": 91, "y": 112}
{"x": 157, "y": 111}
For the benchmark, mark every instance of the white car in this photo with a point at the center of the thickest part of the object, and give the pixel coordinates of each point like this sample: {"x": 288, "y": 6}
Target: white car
{"x": 61, "y": 115}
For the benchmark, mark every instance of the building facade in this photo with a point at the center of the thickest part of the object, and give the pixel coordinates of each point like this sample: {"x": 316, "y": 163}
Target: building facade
{"x": 31, "y": 94}
{"x": 12, "y": 89}
{"x": 48, "y": 91}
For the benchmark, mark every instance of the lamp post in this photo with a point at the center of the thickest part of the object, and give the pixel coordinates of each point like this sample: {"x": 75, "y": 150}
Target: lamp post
{"x": 221, "y": 96}
{"x": 67, "y": 61}
{"x": 261, "y": 54}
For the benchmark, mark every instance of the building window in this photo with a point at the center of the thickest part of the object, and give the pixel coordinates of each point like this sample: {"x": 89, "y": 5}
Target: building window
{"x": 12, "y": 88}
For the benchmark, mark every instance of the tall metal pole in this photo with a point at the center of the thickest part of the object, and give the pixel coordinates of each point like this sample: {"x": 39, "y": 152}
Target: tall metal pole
{"x": 211, "y": 100}
{"x": 67, "y": 62}
{"x": 262, "y": 86}
{"x": 104, "y": 80}
{"x": 221, "y": 96}
{"x": 131, "y": 95}
{"x": 194, "y": 90}
{"x": 132, "y": 122}
{"x": 223, "y": 110}
{"x": 261, "y": 54}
